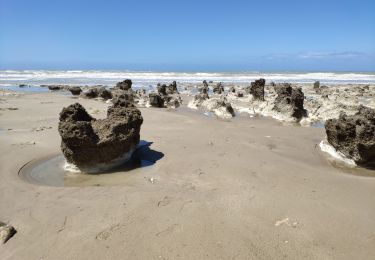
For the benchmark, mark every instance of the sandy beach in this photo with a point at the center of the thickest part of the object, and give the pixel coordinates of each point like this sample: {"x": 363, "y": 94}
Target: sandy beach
{"x": 244, "y": 188}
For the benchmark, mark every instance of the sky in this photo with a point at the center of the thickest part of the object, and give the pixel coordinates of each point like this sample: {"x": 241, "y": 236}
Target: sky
{"x": 188, "y": 35}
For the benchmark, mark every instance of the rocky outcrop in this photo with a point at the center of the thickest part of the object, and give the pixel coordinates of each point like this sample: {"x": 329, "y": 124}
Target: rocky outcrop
{"x": 219, "y": 88}
{"x": 354, "y": 136}
{"x": 205, "y": 88}
{"x": 156, "y": 100}
{"x": 97, "y": 92}
{"x": 289, "y": 101}
{"x": 6, "y": 232}
{"x": 316, "y": 85}
{"x": 172, "y": 88}
{"x": 76, "y": 91}
{"x": 220, "y": 107}
{"x": 162, "y": 89}
{"x": 257, "y": 89}
{"x": 55, "y": 87}
{"x": 95, "y": 145}
{"x": 124, "y": 85}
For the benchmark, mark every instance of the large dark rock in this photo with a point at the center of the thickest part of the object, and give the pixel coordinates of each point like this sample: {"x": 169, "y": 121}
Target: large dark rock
{"x": 99, "y": 144}
{"x": 316, "y": 85}
{"x": 156, "y": 100}
{"x": 289, "y": 101}
{"x": 257, "y": 89}
{"x": 75, "y": 91}
{"x": 162, "y": 89}
{"x": 55, "y": 87}
{"x": 122, "y": 95}
{"x": 95, "y": 92}
{"x": 354, "y": 136}
{"x": 124, "y": 85}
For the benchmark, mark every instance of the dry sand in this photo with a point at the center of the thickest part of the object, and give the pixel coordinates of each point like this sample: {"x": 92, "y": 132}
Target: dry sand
{"x": 244, "y": 189}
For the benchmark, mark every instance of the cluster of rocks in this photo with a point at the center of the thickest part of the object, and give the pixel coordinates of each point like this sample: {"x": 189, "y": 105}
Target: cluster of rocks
{"x": 354, "y": 136}
{"x": 166, "y": 96}
{"x": 219, "y": 106}
{"x": 97, "y": 92}
{"x": 56, "y": 87}
{"x": 94, "y": 145}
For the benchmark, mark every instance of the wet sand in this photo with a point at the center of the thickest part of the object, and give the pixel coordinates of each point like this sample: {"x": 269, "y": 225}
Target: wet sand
{"x": 248, "y": 188}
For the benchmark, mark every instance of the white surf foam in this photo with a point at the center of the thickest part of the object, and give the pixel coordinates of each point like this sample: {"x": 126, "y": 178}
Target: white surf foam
{"x": 150, "y": 77}
{"x": 327, "y": 148}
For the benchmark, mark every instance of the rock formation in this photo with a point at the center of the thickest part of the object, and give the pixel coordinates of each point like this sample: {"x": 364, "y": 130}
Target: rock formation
{"x": 172, "y": 88}
{"x": 257, "y": 89}
{"x": 219, "y": 88}
{"x": 156, "y": 100}
{"x": 95, "y": 92}
{"x": 6, "y": 232}
{"x": 354, "y": 136}
{"x": 124, "y": 85}
{"x": 95, "y": 145}
{"x": 75, "y": 91}
{"x": 289, "y": 101}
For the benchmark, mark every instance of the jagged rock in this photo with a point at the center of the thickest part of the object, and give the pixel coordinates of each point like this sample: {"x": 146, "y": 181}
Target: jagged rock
{"x": 199, "y": 98}
{"x": 162, "y": 89}
{"x": 220, "y": 107}
{"x": 257, "y": 89}
{"x": 232, "y": 89}
{"x": 6, "y": 232}
{"x": 316, "y": 85}
{"x": 95, "y": 92}
{"x": 204, "y": 89}
{"x": 156, "y": 100}
{"x": 124, "y": 85}
{"x": 289, "y": 101}
{"x": 354, "y": 136}
{"x": 219, "y": 88}
{"x": 55, "y": 87}
{"x": 172, "y": 88}
{"x": 99, "y": 144}
{"x": 239, "y": 94}
{"x": 75, "y": 91}
{"x": 125, "y": 96}
{"x": 173, "y": 101}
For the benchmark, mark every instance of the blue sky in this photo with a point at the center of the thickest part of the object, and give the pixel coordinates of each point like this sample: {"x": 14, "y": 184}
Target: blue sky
{"x": 236, "y": 35}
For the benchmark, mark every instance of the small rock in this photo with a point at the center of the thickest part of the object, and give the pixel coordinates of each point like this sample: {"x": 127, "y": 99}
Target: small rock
{"x": 6, "y": 232}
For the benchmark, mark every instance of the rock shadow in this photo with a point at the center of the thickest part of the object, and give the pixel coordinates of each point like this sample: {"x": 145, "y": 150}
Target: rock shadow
{"x": 142, "y": 157}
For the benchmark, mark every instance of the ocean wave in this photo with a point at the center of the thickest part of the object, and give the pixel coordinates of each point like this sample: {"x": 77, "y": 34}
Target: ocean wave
{"x": 143, "y": 77}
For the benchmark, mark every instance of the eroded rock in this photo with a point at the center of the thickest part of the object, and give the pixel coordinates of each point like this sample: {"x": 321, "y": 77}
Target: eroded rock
{"x": 76, "y": 91}
{"x": 257, "y": 89}
{"x": 289, "y": 101}
{"x": 219, "y": 88}
{"x": 354, "y": 136}
{"x": 124, "y": 85}
{"x": 95, "y": 145}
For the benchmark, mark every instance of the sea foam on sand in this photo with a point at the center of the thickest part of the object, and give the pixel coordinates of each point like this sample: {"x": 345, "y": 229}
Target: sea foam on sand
{"x": 327, "y": 148}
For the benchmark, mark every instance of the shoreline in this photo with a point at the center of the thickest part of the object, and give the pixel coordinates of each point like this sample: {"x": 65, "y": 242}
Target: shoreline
{"x": 223, "y": 189}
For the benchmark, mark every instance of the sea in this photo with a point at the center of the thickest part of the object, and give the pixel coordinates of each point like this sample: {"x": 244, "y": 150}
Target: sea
{"x": 13, "y": 78}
